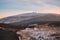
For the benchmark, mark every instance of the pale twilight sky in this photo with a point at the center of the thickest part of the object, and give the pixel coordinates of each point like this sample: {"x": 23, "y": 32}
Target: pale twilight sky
{"x": 14, "y": 7}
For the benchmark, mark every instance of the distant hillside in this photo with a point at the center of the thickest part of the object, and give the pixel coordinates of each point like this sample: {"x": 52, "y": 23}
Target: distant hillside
{"x": 28, "y": 18}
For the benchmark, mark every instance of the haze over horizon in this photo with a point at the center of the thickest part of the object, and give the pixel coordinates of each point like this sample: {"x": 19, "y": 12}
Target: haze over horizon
{"x": 15, "y": 7}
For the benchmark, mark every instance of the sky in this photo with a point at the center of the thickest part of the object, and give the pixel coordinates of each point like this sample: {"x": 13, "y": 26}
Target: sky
{"x": 14, "y": 7}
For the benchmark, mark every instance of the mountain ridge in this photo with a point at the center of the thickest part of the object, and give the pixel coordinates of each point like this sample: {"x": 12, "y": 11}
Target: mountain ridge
{"x": 30, "y": 17}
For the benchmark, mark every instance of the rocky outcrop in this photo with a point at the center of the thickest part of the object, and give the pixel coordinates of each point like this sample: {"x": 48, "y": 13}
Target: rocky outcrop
{"x": 8, "y": 35}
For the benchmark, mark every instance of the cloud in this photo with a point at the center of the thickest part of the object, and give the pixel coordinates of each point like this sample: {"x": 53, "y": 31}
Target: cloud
{"x": 14, "y": 7}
